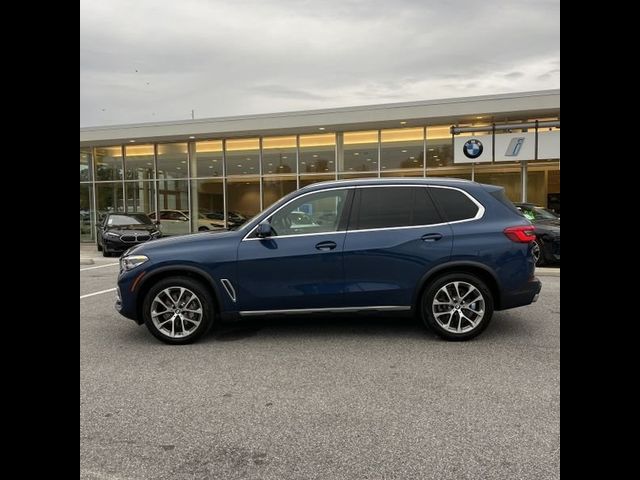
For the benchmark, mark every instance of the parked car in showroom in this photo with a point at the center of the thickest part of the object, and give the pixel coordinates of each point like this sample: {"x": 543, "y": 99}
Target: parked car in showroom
{"x": 119, "y": 231}
{"x": 449, "y": 251}
{"x": 546, "y": 247}
{"x": 234, "y": 219}
{"x": 176, "y": 222}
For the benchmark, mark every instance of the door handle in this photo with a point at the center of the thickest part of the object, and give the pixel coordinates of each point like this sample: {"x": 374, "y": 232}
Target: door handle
{"x": 431, "y": 237}
{"x": 326, "y": 245}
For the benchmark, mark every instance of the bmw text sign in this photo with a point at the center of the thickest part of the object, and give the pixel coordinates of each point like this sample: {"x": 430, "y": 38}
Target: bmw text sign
{"x": 472, "y": 149}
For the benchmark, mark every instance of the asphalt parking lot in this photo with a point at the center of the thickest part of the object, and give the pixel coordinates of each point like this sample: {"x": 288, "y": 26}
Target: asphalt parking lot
{"x": 330, "y": 398}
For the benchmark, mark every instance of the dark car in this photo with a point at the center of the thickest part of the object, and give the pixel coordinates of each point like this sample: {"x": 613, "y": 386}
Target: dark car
{"x": 546, "y": 248}
{"x": 234, "y": 219}
{"x": 119, "y": 231}
{"x": 449, "y": 251}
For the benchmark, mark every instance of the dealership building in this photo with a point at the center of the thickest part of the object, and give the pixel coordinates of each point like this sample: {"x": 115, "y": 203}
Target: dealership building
{"x": 191, "y": 170}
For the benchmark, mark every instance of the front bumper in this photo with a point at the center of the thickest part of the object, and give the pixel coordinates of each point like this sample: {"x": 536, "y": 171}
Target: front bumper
{"x": 126, "y": 296}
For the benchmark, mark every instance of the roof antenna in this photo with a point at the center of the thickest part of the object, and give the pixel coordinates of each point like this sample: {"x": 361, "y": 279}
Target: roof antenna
{"x": 192, "y": 115}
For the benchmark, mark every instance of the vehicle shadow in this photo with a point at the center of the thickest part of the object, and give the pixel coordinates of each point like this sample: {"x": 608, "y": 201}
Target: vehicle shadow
{"x": 503, "y": 326}
{"x": 377, "y": 325}
{"x": 306, "y": 325}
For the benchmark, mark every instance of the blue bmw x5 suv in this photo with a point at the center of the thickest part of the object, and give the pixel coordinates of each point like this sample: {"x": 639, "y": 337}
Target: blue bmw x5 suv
{"x": 451, "y": 251}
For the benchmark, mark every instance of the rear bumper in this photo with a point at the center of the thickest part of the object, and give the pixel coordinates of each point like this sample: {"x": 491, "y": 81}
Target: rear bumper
{"x": 524, "y": 296}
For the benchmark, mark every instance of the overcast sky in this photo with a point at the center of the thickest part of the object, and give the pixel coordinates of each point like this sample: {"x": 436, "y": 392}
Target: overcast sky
{"x": 150, "y": 60}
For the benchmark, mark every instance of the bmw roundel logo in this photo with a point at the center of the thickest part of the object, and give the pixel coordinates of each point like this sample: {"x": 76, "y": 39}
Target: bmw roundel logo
{"x": 472, "y": 148}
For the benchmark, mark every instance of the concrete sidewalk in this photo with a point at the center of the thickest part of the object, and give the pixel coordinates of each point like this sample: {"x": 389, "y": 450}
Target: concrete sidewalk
{"x": 90, "y": 255}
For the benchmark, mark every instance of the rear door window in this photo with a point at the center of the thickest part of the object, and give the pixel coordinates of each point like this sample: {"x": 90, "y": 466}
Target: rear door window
{"x": 388, "y": 207}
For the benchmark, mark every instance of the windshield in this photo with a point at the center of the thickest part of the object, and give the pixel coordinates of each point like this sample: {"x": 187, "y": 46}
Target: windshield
{"x": 543, "y": 213}
{"x": 538, "y": 213}
{"x": 131, "y": 219}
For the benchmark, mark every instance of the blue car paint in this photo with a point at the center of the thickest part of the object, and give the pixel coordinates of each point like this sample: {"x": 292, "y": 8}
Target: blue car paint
{"x": 385, "y": 267}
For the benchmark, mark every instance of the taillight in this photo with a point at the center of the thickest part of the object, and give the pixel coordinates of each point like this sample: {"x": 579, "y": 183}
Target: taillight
{"x": 521, "y": 233}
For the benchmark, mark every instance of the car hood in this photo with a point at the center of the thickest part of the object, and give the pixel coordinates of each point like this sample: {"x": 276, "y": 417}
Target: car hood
{"x": 187, "y": 241}
{"x": 132, "y": 229}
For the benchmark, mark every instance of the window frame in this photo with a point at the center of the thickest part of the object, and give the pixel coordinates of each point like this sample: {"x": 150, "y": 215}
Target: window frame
{"x": 479, "y": 213}
{"x": 355, "y": 211}
{"x": 444, "y": 221}
{"x": 342, "y": 223}
{"x": 351, "y": 207}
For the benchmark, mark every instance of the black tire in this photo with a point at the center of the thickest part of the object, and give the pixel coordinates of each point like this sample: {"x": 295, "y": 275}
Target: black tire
{"x": 99, "y": 246}
{"x": 200, "y": 291}
{"x": 427, "y": 307}
{"x": 105, "y": 252}
{"x": 203, "y": 229}
{"x": 540, "y": 245}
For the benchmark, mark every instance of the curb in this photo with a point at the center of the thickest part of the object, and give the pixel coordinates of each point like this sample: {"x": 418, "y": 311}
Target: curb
{"x": 86, "y": 261}
{"x": 548, "y": 272}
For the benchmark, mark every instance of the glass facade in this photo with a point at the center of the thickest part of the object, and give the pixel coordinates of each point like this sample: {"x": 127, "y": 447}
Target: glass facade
{"x": 213, "y": 183}
{"x": 402, "y": 149}
{"x": 317, "y": 153}
{"x": 243, "y": 157}
{"x": 360, "y": 152}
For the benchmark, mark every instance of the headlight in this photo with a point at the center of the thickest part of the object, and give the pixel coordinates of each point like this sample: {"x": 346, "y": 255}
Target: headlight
{"x": 132, "y": 261}
{"x": 112, "y": 235}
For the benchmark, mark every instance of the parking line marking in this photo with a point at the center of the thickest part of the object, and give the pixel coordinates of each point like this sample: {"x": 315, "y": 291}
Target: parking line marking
{"x": 99, "y": 266}
{"x": 97, "y": 293}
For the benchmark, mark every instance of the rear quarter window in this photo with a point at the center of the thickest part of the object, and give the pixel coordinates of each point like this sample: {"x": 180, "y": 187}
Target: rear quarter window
{"x": 454, "y": 204}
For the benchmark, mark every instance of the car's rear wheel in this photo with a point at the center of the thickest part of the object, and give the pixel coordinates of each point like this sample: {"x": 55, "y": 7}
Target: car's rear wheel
{"x": 105, "y": 252}
{"x": 536, "y": 251}
{"x": 457, "y": 306}
{"x": 203, "y": 229}
{"x": 99, "y": 246}
{"x": 178, "y": 310}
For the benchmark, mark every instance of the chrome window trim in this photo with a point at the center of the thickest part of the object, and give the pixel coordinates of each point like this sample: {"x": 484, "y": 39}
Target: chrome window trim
{"x": 481, "y": 209}
{"x": 479, "y": 213}
{"x": 296, "y": 236}
{"x": 294, "y": 311}
{"x": 284, "y": 205}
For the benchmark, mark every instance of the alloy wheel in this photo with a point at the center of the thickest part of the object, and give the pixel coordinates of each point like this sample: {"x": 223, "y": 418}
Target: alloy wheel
{"x": 458, "y": 307}
{"x": 176, "y": 312}
{"x": 535, "y": 250}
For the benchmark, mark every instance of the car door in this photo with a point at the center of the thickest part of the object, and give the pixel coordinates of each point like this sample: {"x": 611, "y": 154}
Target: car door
{"x": 395, "y": 235}
{"x": 299, "y": 266}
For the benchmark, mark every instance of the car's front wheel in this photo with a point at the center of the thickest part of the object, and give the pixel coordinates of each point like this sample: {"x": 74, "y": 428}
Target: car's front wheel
{"x": 457, "y": 306}
{"x": 178, "y": 310}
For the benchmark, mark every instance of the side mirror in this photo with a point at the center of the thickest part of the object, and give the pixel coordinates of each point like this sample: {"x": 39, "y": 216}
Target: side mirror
{"x": 264, "y": 230}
